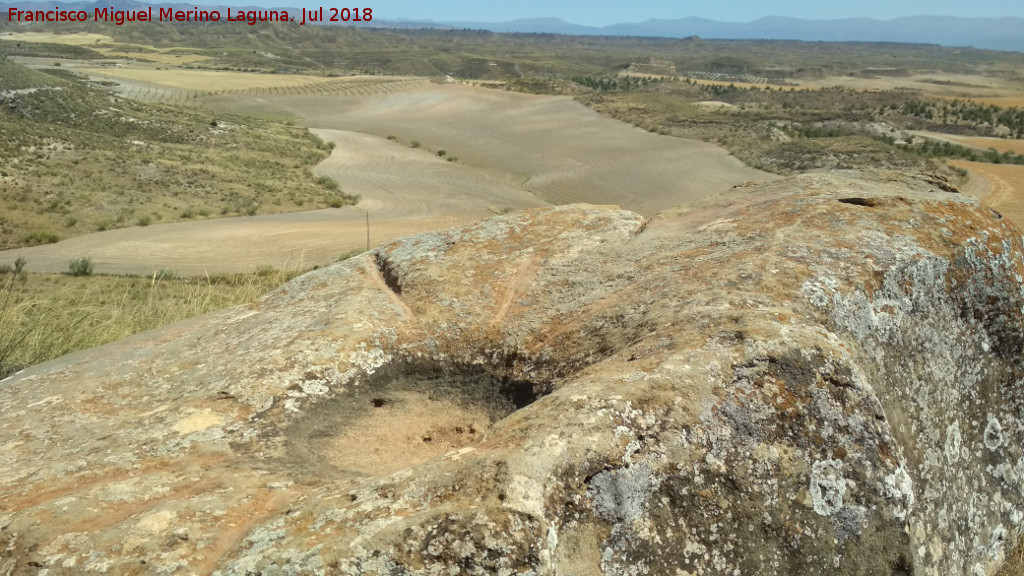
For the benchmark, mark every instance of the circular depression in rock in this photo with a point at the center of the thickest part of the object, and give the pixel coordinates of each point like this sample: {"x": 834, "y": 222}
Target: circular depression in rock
{"x": 400, "y": 417}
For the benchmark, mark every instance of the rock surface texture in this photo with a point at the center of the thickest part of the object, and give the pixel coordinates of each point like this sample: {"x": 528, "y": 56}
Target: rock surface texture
{"x": 820, "y": 375}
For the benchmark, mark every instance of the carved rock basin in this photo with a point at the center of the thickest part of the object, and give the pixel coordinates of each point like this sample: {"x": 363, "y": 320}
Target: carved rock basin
{"x": 817, "y": 375}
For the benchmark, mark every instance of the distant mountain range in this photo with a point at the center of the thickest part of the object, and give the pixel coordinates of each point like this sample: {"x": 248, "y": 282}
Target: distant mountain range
{"x": 986, "y": 33}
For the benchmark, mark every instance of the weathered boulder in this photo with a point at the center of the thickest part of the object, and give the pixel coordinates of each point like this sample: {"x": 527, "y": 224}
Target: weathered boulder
{"x": 821, "y": 375}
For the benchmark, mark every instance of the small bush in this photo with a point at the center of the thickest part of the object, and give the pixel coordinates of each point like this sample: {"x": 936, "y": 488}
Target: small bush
{"x": 188, "y": 213}
{"x": 70, "y": 222}
{"x": 442, "y": 153}
{"x": 37, "y": 237}
{"x": 335, "y": 202}
{"x": 453, "y": 158}
{"x": 415, "y": 144}
{"x": 328, "y": 182}
{"x": 17, "y": 269}
{"x": 81, "y": 266}
{"x": 392, "y": 137}
{"x": 144, "y": 220}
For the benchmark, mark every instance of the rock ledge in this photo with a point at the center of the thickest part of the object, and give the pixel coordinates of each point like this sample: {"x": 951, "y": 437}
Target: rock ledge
{"x": 817, "y": 375}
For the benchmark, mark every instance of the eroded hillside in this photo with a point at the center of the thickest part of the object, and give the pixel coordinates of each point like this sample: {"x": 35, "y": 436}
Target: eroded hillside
{"x": 76, "y": 159}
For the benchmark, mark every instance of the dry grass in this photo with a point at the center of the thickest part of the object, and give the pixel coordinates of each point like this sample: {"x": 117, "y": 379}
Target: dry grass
{"x": 1014, "y": 565}
{"x": 44, "y": 316}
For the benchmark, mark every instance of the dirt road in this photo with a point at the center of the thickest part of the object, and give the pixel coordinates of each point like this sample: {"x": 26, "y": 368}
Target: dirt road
{"x": 999, "y": 186}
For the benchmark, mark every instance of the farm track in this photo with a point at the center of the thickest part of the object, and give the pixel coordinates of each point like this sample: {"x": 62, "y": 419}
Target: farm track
{"x": 998, "y": 186}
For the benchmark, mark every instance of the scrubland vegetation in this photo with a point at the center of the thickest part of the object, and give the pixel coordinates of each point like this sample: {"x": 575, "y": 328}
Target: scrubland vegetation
{"x": 788, "y": 130}
{"x": 44, "y": 316}
{"x": 76, "y": 159}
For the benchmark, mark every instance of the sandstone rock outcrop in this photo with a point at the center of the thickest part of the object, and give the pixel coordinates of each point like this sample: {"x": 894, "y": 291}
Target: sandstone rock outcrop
{"x": 820, "y": 375}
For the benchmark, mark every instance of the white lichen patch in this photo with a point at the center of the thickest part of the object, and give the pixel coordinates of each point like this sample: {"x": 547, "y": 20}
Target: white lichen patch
{"x": 993, "y": 437}
{"x": 622, "y": 495}
{"x": 899, "y": 489}
{"x": 953, "y": 442}
{"x": 368, "y": 360}
{"x": 827, "y": 486}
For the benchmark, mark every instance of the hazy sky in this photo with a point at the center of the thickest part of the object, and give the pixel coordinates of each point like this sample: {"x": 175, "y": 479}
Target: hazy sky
{"x": 602, "y": 12}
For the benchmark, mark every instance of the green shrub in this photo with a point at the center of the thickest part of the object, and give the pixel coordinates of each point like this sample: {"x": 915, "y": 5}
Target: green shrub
{"x": 415, "y": 144}
{"x": 442, "y": 153}
{"x": 328, "y": 182}
{"x": 81, "y": 266}
{"x": 144, "y": 220}
{"x": 38, "y": 237}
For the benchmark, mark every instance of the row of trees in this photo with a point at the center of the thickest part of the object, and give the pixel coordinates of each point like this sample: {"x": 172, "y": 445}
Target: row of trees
{"x": 620, "y": 83}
